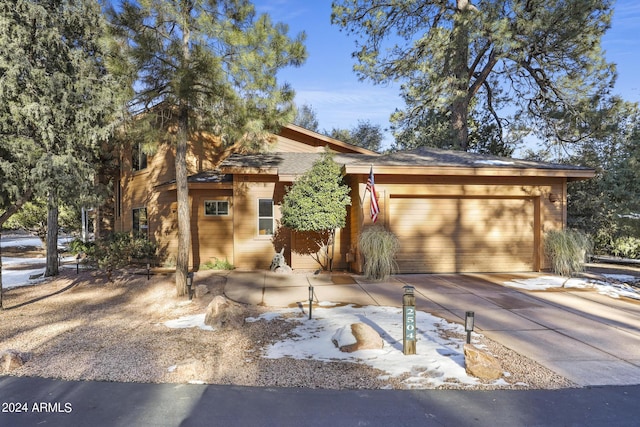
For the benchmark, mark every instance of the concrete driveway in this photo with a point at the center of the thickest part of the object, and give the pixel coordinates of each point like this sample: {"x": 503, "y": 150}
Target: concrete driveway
{"x": 589, "y": 338}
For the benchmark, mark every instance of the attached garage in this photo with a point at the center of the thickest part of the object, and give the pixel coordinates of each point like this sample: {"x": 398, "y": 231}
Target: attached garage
{"x": 464, "y": 234}
{"x": 457, "y": 212}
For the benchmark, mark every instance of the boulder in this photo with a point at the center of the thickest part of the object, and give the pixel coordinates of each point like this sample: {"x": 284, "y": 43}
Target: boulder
{"x": 359, "y": 336}
{"x": 12, "y": 359}
{"x": 480, "y": 364}
{"x": 224, "y": 313}
{"x": 201, "y": 290}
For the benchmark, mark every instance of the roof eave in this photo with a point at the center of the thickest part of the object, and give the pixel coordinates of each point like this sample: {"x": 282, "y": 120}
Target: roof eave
{"x": 571, "y": 174}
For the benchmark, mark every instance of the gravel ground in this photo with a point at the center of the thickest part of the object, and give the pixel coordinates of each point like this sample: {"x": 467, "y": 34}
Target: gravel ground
{"x": 82, "y": 327}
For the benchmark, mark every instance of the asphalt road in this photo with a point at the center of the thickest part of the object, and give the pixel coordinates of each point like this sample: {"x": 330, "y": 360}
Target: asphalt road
{"x": 45, "y": 402}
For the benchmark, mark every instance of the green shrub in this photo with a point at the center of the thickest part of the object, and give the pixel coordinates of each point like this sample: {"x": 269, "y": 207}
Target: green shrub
{"x": 140, "y": 248}
{"x": 119, "y": 250}
{"x": 379, "y": 247}
{"x": 218, "y": 264}
{"x": 77, "y": 246}
{"x": 626, "y": 247}
{"x": 567, "y": 251}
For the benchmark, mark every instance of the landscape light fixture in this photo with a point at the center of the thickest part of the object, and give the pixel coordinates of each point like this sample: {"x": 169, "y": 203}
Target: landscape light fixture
{"x": 190, "y": 285}
{"x": 469, "y": 320}
{"x": 315, "y": 273}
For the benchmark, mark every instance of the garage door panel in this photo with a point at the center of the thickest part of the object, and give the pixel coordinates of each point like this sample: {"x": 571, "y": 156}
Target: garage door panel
{"x": 463, "y": 234}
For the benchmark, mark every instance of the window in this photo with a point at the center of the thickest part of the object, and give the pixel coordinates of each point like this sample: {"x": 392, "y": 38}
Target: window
{"x": 138, "y": 158}
{"x": 216, "y": 208}
{"x": 265, "y": 217}
{"x": 140, "y": 223}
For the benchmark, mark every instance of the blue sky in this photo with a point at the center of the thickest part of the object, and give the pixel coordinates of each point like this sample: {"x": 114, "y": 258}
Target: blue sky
{"x": 327, "y": 83}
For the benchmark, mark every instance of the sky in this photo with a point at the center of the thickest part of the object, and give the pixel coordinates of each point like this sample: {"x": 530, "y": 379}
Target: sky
{"x": 327, "y": 81}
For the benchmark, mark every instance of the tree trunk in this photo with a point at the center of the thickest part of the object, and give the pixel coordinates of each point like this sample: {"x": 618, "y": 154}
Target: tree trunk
{"x": 182, "y": 185}
{"x": 184, "y": 216}
{"x": 460, "y": 69}
{"x": 52, "y": 237}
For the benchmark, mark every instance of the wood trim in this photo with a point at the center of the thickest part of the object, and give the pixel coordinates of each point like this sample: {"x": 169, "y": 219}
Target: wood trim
{"x": 323, "y": 140}
{"x": 537, "y": 235}
{"x": 469, "y": 171}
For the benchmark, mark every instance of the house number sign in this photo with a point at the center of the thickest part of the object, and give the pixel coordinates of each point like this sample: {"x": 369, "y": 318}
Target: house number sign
{"x": 409, "y": 320}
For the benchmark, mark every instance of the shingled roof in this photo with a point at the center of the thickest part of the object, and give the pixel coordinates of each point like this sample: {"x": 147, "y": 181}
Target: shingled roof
{"x": 206, "y": 177}
{"x": 422, "y": 161}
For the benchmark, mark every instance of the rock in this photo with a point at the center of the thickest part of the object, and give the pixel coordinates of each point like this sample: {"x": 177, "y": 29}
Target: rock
{"x": 201, "y": 290}
{"x": 223, "y": 313}
{"x": 12, "y": 359}
{"x": 481, "y": 364}
{"x": 359, "y": 336}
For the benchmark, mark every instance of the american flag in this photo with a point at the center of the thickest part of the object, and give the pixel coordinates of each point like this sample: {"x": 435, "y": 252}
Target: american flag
{"x": 371, "y": 187}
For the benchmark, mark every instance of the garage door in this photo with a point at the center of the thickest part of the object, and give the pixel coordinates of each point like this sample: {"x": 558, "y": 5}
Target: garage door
{"x": 447, "y": 234}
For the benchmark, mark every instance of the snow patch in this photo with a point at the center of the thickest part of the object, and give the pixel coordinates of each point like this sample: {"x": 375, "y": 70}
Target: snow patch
{"x": 191, "y": 321}
{"x": 494, "y": 162}
{"x": 438, "y": 360}
{"x": 611, "y": 289}
{"x": 344, "y": 336}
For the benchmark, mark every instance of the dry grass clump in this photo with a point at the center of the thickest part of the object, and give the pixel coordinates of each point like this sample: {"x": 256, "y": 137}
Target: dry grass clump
{"x": 567, "y": 251}
{"x": 379, "y": 247}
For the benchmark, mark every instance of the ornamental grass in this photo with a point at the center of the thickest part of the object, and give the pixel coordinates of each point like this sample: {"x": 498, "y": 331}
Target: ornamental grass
{"x": 567, "y": 251}
{"x": 379, "y": 247}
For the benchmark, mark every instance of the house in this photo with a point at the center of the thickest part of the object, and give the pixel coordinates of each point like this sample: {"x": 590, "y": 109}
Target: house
{"x": 452, "y": 211}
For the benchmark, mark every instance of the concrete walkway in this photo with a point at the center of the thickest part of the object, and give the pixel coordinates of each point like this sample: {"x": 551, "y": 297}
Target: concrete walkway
{"x": 589, "y": 338}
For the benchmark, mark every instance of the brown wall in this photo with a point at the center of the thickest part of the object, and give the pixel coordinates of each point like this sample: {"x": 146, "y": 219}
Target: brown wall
{"x": 212, "y": 236}
{"x": 144, "y": 188}
{"x": 234, "y": 237}
{"x": 252, "y": 250}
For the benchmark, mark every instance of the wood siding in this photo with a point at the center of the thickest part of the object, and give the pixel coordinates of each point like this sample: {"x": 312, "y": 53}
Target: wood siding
{"x": 252, "y": 250}
{"x": 286, "y": 145}
{"x": 212, "y": 236}
{"x": 144, "y": 189}
{"x": 255, "y": 251}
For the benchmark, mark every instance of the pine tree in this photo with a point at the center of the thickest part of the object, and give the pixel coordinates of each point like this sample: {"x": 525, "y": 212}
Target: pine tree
{"x": 365, "y": 135}
{"x": 56, "y": 104}
{"x": 540, "y": 58}
{"x": 205, "y": 66}
{"x": 606, "y": 205}
{"x": 307, "y": 118}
